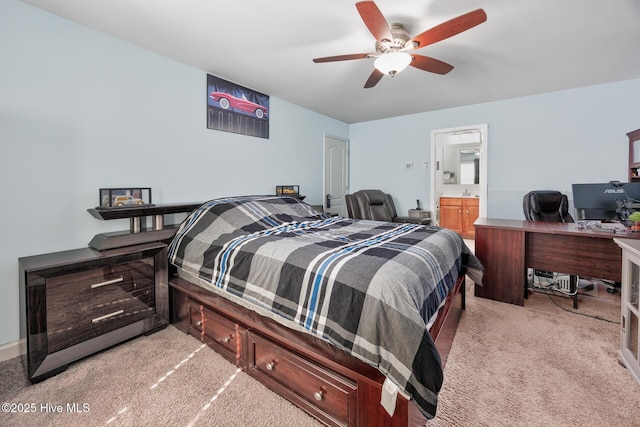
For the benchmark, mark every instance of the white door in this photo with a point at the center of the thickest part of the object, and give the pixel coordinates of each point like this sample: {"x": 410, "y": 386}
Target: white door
{"x": 336, "y": 175}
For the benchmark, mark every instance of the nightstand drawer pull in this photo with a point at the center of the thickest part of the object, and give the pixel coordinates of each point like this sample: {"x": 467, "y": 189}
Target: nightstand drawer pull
{"x": 106, "y": 316}
{"x": 107, "y": 282}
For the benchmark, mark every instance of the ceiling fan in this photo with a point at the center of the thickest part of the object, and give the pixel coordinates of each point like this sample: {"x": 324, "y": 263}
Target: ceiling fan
{"x": 393, "y": 43}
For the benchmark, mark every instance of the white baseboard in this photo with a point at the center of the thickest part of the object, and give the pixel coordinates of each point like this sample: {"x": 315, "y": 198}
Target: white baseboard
{"x": 13, "y": 349}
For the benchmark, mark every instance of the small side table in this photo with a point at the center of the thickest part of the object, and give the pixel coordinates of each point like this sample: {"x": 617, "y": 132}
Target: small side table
{"x": 81, "y": 301}
{"x": 419, "y": 213}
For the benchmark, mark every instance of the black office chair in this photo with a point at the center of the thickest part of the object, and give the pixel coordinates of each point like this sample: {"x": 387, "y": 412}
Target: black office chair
{"x": 549, "y": 206}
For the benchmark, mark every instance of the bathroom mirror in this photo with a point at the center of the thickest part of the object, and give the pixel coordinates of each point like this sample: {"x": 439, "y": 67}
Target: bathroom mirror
{"x": 461, "y": 164}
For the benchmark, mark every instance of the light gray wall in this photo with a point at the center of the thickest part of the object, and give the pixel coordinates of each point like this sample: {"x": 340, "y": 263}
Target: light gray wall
{"x": 547, "y": 141}
{"x": 80, "y": 110}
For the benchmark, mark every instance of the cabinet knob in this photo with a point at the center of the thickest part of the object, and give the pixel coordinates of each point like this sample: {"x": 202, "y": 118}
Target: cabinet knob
{"x": 227, "y": 339}
{"x": 318, "y": 395}
{"x": 198, "y": 322}
{"x": 271, "y": 366}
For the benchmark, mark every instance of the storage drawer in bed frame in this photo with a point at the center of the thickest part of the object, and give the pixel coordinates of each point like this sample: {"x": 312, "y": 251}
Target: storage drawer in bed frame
{"x": 215, "y": 330}
{"x": 324, "y": 381}
{"x": 327, "y": 395}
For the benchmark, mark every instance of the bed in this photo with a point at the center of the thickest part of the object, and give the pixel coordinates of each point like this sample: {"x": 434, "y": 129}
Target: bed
{"x": 340, "y": 316}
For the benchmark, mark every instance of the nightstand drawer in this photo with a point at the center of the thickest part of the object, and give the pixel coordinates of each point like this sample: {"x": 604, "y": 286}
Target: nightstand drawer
{"x": 81, "y": 301}
{"x": 90, "y": 303}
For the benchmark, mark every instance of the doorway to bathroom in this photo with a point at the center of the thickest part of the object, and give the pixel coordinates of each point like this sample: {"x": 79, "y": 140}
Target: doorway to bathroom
{"x": 459, "y": 166}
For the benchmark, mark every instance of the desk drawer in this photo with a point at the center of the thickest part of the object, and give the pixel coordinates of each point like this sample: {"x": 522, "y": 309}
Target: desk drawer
{"x": 324, "y": 393}
{"x": 575, "y": 254}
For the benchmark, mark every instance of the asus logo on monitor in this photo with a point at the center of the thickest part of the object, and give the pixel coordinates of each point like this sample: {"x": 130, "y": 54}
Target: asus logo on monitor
{"x": 614, "y": 191}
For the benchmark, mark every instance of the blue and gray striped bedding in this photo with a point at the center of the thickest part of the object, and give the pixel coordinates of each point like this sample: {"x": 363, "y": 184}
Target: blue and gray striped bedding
{"x": 367, "y": 287}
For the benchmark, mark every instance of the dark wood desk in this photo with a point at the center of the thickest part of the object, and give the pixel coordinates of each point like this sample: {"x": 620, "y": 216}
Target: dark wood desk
{"x": 507, "y": 248}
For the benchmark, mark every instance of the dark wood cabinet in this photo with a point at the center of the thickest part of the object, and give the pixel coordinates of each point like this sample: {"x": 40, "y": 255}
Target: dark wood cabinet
{"x": 82, "y": 301}
{"x": 634, "y": 155}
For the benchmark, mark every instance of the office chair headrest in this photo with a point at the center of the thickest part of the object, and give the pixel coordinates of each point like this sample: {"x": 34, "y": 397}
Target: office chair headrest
{"x": 546, "y": 205}
{"x": 546, "y": 201}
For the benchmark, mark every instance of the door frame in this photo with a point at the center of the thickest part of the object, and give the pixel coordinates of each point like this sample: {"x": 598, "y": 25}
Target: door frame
{"x": 484, "y": 150}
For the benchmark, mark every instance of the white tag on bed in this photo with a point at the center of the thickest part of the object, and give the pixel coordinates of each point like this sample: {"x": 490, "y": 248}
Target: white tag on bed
{"x": 389, "y": 396}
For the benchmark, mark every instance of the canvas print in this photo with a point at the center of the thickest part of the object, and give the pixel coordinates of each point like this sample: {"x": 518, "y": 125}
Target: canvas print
{"x": 237, "y": 109}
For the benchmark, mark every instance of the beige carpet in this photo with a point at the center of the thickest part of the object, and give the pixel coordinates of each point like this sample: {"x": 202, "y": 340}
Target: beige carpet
{"x": 509, "y": 366}
{"x": 537, "y": 365}
{"x": 165, "y": 379}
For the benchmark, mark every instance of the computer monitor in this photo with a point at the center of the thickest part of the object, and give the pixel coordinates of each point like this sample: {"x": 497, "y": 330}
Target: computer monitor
{"x": 603, "y": 201}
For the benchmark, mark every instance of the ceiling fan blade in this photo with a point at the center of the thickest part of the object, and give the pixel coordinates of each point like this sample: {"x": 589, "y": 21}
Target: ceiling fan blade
{"x": 450, "y": 28}
{"x": 374, "y": 20}
{"x": 374, "y": 78}
{"x": 430, "y": 64}
{"x": 343, "y": 57}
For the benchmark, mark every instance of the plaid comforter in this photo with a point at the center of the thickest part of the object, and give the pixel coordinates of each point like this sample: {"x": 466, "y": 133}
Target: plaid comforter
{"x": 368, "y": 287}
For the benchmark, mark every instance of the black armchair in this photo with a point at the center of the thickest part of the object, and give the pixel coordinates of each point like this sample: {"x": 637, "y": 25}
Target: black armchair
{"x": 377, "y": 206}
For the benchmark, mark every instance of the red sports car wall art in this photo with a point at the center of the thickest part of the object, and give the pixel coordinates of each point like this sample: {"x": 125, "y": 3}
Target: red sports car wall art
{"x": 227, "y": 101}
{"x": 237, "y": 109}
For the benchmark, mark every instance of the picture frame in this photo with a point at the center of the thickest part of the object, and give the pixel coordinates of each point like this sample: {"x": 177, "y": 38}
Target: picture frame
{"x": 237, "y": 109}
{"x": 288, "y": 190}
{"x": 114, "y": 198}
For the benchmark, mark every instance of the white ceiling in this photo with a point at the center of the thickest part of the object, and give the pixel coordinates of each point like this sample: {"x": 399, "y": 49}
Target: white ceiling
{"x": 525, "y": 47}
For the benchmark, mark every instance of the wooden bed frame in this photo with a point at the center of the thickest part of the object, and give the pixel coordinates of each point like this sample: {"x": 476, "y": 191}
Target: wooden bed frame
{"x": 326, "y": 382}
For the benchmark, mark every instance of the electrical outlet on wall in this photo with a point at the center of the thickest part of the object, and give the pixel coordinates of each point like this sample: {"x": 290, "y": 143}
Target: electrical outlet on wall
{"x": 408, "y": 166}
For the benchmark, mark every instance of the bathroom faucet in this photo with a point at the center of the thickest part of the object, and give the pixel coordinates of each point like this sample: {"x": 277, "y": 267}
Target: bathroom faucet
{"x": 466, "y": 192}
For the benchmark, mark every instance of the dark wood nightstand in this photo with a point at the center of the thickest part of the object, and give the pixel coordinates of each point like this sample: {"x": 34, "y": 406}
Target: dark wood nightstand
{"x": 82, "y": 301}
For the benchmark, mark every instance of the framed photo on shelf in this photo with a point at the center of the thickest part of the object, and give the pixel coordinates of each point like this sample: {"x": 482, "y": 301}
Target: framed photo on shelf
{"x": 287, "y": 190}
{"x": 124, "y": 197}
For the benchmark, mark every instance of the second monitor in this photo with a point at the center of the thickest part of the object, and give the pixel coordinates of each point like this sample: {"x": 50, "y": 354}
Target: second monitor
{"x": 611, "y": 201}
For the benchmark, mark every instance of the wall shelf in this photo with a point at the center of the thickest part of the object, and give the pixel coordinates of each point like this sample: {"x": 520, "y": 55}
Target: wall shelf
{"x": 141, "y": 211}
{"x": 137, "y": 234}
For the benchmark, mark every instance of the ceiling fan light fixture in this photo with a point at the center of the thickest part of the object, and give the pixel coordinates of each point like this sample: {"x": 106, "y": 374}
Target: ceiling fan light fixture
{"x": 393, "y": 62}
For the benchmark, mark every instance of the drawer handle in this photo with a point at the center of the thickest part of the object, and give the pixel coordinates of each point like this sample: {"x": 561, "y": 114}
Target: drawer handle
{"x": 198, "y": 322}
{"x": 107, "y": 282}
{"x": 319, "y": 395}
{"x": 227, "y": 339}
{"x": 271, "y": 366}
{"x": 106, "y": 316}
